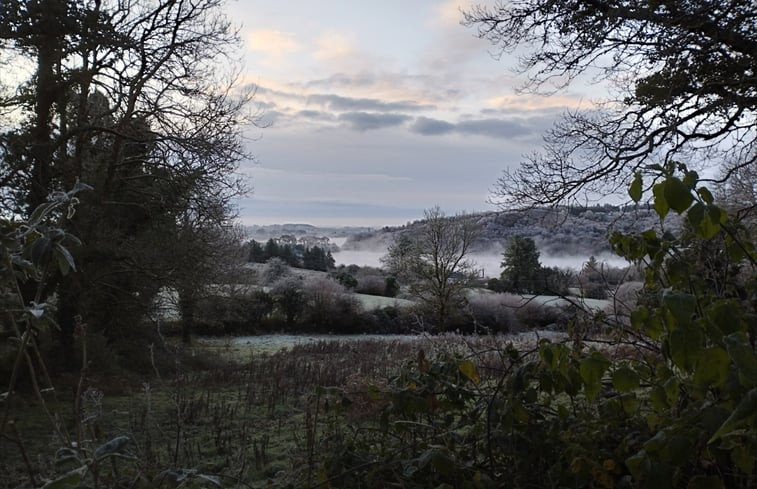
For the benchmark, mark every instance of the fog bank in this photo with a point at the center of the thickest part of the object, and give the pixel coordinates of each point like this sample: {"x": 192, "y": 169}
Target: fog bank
{"x": 489, "y": 261}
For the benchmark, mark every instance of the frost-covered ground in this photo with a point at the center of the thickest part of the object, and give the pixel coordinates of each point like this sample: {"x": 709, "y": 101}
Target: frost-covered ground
{"x": 271, "y": 343}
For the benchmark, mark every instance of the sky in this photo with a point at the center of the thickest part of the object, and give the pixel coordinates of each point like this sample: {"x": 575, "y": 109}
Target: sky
{"x": 372, "y": 112}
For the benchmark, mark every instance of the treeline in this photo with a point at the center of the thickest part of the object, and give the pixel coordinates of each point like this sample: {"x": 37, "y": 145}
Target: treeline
{"x": 523, "y": 273}
{"x": 298, "y": 255}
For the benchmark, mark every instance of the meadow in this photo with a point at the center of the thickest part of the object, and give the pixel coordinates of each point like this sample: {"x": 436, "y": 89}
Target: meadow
{"x": 232, "y": 413}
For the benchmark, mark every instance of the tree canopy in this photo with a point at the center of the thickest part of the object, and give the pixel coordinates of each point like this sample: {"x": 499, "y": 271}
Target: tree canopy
{"x": 139, "y": 101}
{"x": 684, "y": 80}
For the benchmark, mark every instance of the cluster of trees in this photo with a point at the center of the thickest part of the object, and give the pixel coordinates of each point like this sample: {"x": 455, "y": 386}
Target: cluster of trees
{"x": 292, "y": 303}
{"x": 523, "y": 273}
{"x": 298, "y": 255}
{"x": 135, "y": 106}
{"x": 366, "y": 280}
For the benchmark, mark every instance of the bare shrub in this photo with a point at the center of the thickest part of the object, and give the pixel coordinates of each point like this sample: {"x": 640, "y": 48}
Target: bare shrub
{"x": 492, "y": 313}
{"x": 275, "y": 269}
{"x": 626, "y": 297}
{"x": 371, "y": 284}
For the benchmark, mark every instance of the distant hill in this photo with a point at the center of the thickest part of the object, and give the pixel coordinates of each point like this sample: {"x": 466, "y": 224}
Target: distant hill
{"x": 264, "y": 232}
{"x": 561, "y": 231}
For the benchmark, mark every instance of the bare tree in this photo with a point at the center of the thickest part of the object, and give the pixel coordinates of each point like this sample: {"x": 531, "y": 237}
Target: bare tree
{"x": 685, "y": 89}
{"x": 435, "y": 262}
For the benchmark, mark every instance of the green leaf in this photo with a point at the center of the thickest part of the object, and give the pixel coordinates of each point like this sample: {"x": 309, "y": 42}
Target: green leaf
{"x": 744, "y": 357}
{"x": 639, "y": 317}
{"x": 685, "y": 347}
{"x": 592, "y": 369}
{"x": 672, "y": 389}
{"x": 690, "y": 179}
{"x": 659, "y": 399}
{"x": 745, "y": 411}
{"x": 705, "y": 194}
{"x": 636, "y": 188}
{"x": 630, "y": 404}
{"x": 638, "y": 465}
{"x": 677, "y": 194}
{"x": 681, "y": 307}
{"x": 660, "y": 202}
{"x": 727, "y": 315}
{"x": 743, "y": 459}
{"x": 712, "y": 367}
{"x": 695, "y": 215}
{"x": 625, "y": 379}
{"x": 656, "y": 443}
{"x": 469, "y": 370}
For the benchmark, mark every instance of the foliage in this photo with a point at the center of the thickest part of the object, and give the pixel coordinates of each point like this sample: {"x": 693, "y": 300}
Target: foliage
{"x": 521, "y": 267}
{"x": 523, "y": 273}
{"x": 298, "y": 255}
{"x": 139, "y": 101}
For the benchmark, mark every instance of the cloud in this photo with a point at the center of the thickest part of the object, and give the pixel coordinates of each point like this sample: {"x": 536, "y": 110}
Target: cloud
{"x": 493, "y": 128}
{"x": 272, "y": 42}
{"x": 330, "y": 46}
{"x": 535, "y": 102}
{"x": 431, "y": 127}
{"x": 449, "y": 13}
{"x": 366, "y": 121}
{"x": 340, "y": 103}
{"x": 315, "y": 115}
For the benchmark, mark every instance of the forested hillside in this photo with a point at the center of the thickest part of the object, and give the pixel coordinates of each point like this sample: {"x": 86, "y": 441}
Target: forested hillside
{"x": 557, "y": 231}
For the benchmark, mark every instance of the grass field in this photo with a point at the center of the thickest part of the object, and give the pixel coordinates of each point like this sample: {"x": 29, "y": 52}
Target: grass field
{"x": 245, "y": 416}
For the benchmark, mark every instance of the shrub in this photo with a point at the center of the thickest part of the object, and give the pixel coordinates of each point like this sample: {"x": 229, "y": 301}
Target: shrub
{"x": 372, "y": 285}
{"x": 491, "y": 313}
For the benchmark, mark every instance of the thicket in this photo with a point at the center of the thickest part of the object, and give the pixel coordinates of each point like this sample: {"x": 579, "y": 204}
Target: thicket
{"x": 297, "y": 255}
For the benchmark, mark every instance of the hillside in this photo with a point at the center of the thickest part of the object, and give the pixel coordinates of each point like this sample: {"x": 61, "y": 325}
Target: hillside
{"x": 580, "y": 232}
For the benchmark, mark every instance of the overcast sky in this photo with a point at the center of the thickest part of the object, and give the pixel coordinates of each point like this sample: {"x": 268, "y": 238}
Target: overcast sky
{"x": 378, "y": 110}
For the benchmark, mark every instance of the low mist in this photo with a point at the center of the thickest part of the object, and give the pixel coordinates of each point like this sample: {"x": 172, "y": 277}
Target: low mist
{"x": 490, "y": 261}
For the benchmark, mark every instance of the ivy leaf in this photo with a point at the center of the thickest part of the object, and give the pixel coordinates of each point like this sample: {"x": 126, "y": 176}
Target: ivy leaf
{"x": 634, "y": 191}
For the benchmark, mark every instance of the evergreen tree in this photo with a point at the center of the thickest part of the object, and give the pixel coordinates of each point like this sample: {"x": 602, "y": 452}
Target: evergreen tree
{"x": 521, "y": 267}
